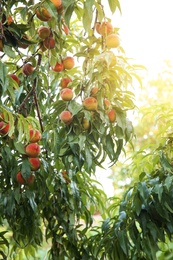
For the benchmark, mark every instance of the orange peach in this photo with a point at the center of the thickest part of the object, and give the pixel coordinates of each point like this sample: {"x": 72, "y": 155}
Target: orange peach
{"x": 32, "y": 150}
{"x": 35, "y": 163}
{"x": 65, "y": 81}
{"x": 112, "y": 41}
{"x": 57, "y": 3}
{"x": 14, "y": 77}
{"x": 9, "y": 20}
{"x": 112, "y": 115}
{"x": 105, "y": 28}
{"x": 43, "y": 14}
{"x": 27, "y": 69}
{"x": 68, "y": 63}
{"x": 66, "y": 117}
{"x": 94, "y": 91}
{"x": 66, "y": 94}
{"x": 44, "y": 32}
{"x": 107, "y": 103}
{"x": 49, "y": 43}
{"x": 58, "y": 67}
{"x": 90, "y": 103}
{"x": 35, "y": 135}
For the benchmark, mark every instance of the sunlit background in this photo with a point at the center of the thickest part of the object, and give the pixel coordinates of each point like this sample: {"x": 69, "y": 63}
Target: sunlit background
{"x": 146, "y": 32}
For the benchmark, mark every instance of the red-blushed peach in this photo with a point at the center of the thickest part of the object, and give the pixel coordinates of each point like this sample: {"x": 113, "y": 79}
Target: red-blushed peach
{"x": 112, "y": 41}
{"x": 94, "y": 91}
{"x": 65, "y": 81}
{"x": 66, "y": 94}
{"x": 90, "y": 103}
{"x": 21, "y": 180}
{"x": 35, "y": 135}
{"x": 27, "y": 69}
{"x": 68, "y": 63}
{"x": 85, "y": 123}
{"x": 58, "y": 67}
{"x": 32, "y": 150}
{"x": 43, "y": 14}
{"x": 4, "y": 127}
{"x": 112, "y": 115}
{"x": 49, "y": 43}
{"x": 107, "y": 103}
{"x": 105, "y": 28}
{"x": 44, "y": 32}
{"x": 35, "y": 163}
{"x": 66, "y": 117}
{"x": 14, "y": 77}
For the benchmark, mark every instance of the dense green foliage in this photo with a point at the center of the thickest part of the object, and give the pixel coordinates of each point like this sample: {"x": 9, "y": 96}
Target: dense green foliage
{"x": 57, "y": 208}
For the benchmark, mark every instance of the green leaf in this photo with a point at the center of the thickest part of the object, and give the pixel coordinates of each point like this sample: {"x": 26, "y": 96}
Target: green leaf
{"x": 87, "y": 15}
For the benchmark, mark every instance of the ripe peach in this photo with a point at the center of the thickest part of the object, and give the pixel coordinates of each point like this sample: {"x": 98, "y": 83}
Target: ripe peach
{"x": 112, "y": 115}
{"x": 43, "y": 14}
{"x": 27, "y": 69}
{"x": 94, "y": 91}
{"x": 35, "y": 163}
{"x": 66, "y": 94}
{"x": 4, "y": 127}
{"x": 31, "y": 179}
{"x": 20, "y": 178}
{"x": 90, "y": 103}
{"x": 65, "y": 81}
{"x": 44, "y": 32}
{"x": 57, "y": 3}
{"x": 68, "y": 63}
{"x": 112, "y": 41}
{"x": 66, "y": 117}
{"x": 49, "y": 43}
{"x": 9, "y": 20}
{"x": 97, "y": 26}
{"x": 35, "y": 136}
{"x": 14, "y": 77}
{"x": 58, "y": 67}
{"x": 32, "y": 150}
{"x": 105, "y": 28}
{"x": 107, "y": 103}
{"x": 85, "y": 123}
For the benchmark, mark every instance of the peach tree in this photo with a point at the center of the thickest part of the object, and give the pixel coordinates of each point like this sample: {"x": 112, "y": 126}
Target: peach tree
{"x": 65, "y": 93}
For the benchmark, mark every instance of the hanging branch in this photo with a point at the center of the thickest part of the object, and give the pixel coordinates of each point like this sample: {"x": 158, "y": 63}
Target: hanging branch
{"x": 31, "y": 92}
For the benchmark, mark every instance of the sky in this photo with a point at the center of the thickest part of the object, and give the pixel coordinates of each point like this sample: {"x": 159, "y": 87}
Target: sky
{"x": 146, "y": 31}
